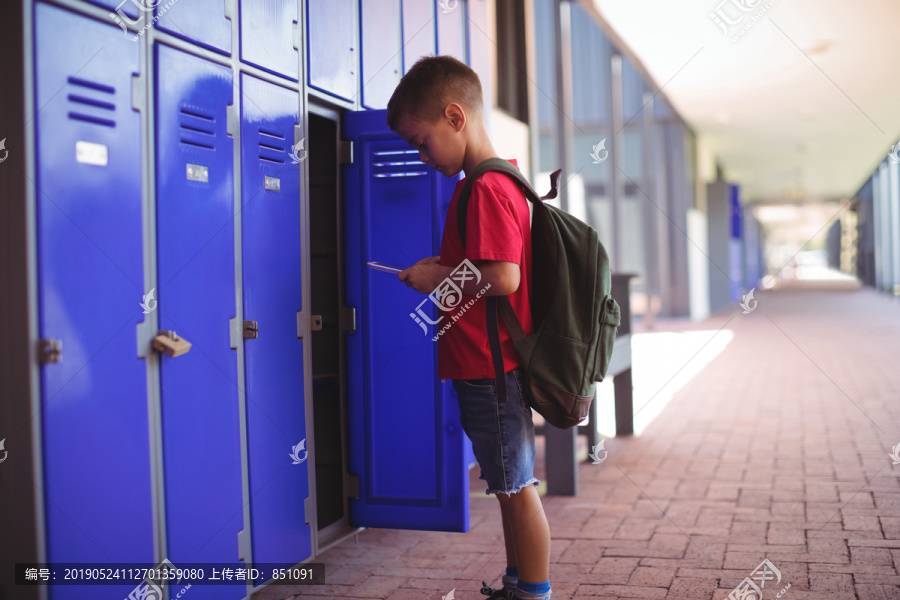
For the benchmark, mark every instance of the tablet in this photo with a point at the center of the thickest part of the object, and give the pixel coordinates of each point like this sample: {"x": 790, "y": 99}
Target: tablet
{"x": 386, "y": 268}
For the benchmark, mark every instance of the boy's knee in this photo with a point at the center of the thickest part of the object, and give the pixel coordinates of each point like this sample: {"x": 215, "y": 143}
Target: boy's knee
{"x": 510, "y": 498}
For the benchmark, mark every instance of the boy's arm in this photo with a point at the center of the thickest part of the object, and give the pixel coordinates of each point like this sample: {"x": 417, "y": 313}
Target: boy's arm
{"x": 504, "y": 277}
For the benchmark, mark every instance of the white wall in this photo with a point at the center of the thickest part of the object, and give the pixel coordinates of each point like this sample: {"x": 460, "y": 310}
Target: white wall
{"x": 511, "y": 139}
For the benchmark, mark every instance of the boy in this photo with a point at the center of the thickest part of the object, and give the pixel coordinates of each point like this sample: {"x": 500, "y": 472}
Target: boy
{"x": 437, "y": 108}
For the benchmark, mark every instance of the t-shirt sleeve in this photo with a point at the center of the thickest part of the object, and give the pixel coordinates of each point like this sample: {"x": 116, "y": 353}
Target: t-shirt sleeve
{"x": 492, "y": 229}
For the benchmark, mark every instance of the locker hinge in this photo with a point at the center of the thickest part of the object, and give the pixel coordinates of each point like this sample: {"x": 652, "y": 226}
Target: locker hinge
{"x": 346, "y": 150}
{"x": 351, "y": 485}
{"x": 298, "y": 43}
{"x": 251, "y": 330}
{"x": 235, "y": 332}
{"x": 307, "y": 509}
{"x": 232, "y": 119}
{"x": 229, "y": 9}
{"x": 137, "y": 93}
{"x": 49, "y": 351}
{"x": 314, "y": 324}
{"x": 244, "y": 545}
{"x": 348, "y": 318}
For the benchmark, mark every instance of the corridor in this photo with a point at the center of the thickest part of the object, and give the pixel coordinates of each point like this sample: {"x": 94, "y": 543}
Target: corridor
{"x": 779, "y": 448}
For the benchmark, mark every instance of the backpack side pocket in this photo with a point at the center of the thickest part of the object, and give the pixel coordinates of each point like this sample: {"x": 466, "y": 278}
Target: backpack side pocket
{"x": 610, "y": 318}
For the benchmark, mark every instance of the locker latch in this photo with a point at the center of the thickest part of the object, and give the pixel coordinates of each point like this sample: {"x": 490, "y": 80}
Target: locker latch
{"x": 49, "y": 351}
{"x": 170, "y": 344}
{"x": 345, "y": 150}
{"x": 348, "y": 318}
{"x": 251, "y": 330}
{"x": 315, "y": 323}
{"x": 351, "y": 485}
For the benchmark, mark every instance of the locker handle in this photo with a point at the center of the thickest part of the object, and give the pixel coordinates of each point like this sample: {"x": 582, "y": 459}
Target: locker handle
{"x": 170, "y": 344}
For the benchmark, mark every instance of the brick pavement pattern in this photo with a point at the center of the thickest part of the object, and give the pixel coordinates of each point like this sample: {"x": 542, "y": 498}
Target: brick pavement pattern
{"x": 778, "y": 449}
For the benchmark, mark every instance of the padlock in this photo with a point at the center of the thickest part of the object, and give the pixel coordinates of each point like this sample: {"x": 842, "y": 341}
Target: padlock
{"x": 170, "y": 344}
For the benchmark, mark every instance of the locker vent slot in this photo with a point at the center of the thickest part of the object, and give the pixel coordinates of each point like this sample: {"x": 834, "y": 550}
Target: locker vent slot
{"x": 83, "y": 103}
{"x": 198, "y": 114}
{"x": 90, "y": 119}
{"x": 398, "y": 163}
{"x": 197, "y": 128}
{"x": 92, "y": 102}
{"x": 92, "y": 85}
{"x": 271, "y": 147}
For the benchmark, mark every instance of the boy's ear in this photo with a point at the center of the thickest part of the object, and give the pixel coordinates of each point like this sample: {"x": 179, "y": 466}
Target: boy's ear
{"x": 455, "y": 114}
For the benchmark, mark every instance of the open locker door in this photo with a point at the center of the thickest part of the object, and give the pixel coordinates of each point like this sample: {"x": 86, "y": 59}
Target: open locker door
{"x": 406, "y": 444}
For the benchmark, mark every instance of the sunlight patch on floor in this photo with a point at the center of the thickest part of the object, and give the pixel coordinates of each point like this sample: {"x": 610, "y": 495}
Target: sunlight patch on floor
{"x": 662, "y": 363}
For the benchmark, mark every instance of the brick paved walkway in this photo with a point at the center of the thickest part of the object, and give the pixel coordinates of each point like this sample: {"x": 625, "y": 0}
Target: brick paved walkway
{"x": 778, "y": 448}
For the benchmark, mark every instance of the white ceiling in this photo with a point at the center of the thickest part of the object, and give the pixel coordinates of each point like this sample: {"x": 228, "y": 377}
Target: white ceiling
{"x": 808, "y": 99}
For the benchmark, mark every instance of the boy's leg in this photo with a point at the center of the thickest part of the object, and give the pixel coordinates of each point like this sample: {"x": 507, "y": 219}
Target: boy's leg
{"x": 507, "y": 535}
{"x": 530, "y": 533}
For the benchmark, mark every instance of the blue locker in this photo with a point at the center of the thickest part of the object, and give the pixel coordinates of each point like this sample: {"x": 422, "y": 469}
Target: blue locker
{"x": 90, "y": 274}
{"x": 267, "y": 36}
{"x": 419, "y": 30}
{"x": 333, "y": 59}
{"x": 271, "y": 249}
{"x": 735, "y": 244}
{"x": 452, "y": 37}
{"x": 202, "y": 22}
{"x": 382, "y": 56}
{"x": 406, "y": 441}
{"x": 195, "y": 258}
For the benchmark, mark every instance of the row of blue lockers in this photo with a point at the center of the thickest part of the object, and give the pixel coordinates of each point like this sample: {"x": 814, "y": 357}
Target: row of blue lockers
{"x": 393, "y": 34}
{"x": 224, "y": 493}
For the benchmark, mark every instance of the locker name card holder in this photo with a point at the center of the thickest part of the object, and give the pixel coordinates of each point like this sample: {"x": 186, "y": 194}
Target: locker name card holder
{"x": 273, "y": 184}
{"x": 198, "y": 173}
{"x": 90, "y": 153}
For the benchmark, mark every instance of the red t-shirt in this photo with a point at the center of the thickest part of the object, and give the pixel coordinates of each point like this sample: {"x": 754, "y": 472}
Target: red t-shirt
{"x": 498, "y": 228}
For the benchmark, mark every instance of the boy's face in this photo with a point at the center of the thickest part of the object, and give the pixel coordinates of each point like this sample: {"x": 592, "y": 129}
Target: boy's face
{"x": 440, "y": 144}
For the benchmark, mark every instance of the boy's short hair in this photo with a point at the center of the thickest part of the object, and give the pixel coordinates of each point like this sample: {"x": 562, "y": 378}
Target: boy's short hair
{"x": 430, "y": 85}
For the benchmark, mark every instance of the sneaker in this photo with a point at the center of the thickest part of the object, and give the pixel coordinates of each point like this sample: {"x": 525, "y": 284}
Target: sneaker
{"x": 501, "y": 594}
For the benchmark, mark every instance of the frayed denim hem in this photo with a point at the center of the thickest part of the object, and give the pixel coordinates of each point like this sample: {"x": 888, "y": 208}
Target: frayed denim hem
{"x": 533, "y": 480}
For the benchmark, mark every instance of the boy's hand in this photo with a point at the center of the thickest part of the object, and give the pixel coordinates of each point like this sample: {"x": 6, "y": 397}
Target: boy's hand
{"x": 425, "y": 275}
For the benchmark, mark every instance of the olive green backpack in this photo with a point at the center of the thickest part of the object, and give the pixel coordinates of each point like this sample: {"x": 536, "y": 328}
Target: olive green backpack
{"x": 574, "y": 315}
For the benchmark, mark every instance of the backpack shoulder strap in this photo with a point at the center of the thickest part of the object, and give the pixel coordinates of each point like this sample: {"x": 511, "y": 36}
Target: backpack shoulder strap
{"x": 499, "y": 304}
{"x": 498, "y": 165}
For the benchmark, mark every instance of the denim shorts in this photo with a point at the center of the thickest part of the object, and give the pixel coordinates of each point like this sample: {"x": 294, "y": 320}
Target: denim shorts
{"x": 502, "y": 434}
